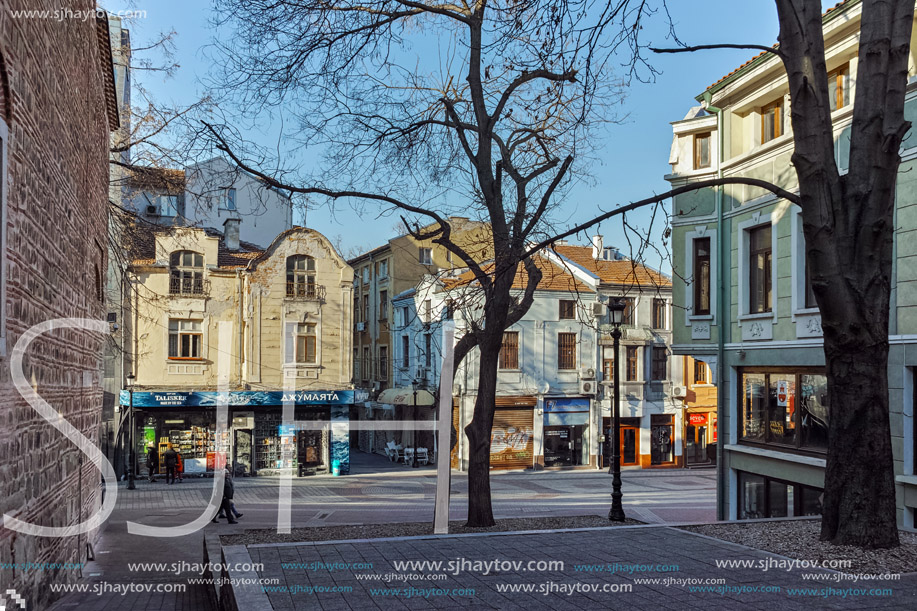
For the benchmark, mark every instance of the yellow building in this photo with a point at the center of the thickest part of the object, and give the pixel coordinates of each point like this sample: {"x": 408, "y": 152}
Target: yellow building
{"x": 269, "y": 325}
{"x": 700, "y": 419}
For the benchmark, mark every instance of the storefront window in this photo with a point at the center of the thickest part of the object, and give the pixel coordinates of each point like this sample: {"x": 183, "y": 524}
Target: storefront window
{"x": 754, "y": 400}
{"x": 763, "y": 497}
{"x": 788, "y": 409}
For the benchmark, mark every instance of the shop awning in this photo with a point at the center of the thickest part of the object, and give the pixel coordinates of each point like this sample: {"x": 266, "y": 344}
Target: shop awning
{"x": 405, "y": 396}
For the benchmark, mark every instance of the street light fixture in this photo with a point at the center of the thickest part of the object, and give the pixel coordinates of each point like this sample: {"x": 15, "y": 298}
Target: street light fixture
{"x": 130, "y": 434}
{"x": 616, "y": 310}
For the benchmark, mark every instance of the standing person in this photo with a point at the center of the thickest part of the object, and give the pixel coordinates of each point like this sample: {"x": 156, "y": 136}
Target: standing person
{"x": 152, "y": 461}
{"x": 226, "y": 506}
{"x": 170, "y": 458}
{"x": 179, "y": 466}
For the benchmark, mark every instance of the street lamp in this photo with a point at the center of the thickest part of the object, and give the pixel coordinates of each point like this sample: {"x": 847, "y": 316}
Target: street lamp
{"x": 130, "y": 433}
{"x": 414, "y": 431}
{"x": 616, "y": 309}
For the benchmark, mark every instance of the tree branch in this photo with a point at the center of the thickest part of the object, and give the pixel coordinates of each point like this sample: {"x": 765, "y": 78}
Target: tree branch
{"x": 775, "y": 50}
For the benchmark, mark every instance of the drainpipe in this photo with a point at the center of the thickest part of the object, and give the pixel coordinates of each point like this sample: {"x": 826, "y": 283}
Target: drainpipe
{"x": 241, "y": 325}
{"x": 721, "y": 473}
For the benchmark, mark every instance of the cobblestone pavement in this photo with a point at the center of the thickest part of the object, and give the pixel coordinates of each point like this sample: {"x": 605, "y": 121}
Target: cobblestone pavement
{"x": 623, "y": 568}
{"x": 378, "y": 491}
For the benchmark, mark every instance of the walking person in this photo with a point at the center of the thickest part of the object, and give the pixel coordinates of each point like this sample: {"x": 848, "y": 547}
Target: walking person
{"x": 152, "y": 461}
{"x": 170, "y": 458}
{"x": 226, "y": 506}
{"x": 179, "y": 466}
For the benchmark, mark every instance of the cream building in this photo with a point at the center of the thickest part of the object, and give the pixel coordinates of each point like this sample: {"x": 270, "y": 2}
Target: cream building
{"x": 272, "y": 324}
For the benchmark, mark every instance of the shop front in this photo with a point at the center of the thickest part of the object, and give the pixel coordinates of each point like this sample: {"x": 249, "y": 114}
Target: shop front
{"x": 700, "y": 436}
{"x": 629, "y": 440}
{"x": 257, "y": 441}
{"x": 566, "y": 431}
{"x": 512, "y": 444}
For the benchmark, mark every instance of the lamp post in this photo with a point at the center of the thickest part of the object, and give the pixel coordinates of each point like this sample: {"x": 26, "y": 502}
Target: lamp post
{"x": 130, "y": 433}
{"x": 414, "y": 431}
{"x": 616, "y": 309}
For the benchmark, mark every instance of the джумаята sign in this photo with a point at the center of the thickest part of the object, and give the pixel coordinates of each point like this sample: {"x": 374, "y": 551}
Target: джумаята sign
{"x": 249, "y": 398}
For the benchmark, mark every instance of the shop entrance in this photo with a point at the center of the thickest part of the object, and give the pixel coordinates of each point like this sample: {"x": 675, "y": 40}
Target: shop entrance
{"x": 242, "y": 452}
{"x": 696, "y": 439}
{"x": 563, "y": 445}
{"x": 662, "y": 439}
{"x": 630, "y": 442}
{"x": 310, "y": 453}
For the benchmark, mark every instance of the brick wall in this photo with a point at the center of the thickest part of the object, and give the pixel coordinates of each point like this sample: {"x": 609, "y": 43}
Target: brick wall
{"x": 54, "y": 103}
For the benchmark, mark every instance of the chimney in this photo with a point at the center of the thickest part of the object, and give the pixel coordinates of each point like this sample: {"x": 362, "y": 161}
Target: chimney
{"x": 231, "y": 233}
{"x": 597, "y": 246}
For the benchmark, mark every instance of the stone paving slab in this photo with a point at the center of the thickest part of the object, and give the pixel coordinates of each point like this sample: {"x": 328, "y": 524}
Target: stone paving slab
{"x": 322, "y": 576}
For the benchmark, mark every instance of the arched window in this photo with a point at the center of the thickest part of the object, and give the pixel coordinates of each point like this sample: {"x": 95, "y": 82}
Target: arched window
{"x": 186, "y": 273}
{"x": 301, "y": 277}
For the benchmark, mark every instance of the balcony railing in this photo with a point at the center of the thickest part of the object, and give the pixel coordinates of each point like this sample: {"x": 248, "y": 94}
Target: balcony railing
{"x": 188, "y": 286}
{"x": 305, "y": 290}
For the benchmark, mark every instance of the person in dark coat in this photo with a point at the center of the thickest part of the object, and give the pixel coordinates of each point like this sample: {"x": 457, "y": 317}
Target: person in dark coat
{"x": 226, "y": 505}
{"x": 170, "y": 458}
{"x": 152, "y": 461}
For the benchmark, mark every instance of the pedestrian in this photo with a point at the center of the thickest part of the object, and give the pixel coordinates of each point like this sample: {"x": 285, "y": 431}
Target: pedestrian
{"x": 226, "y": 505}
{"x": 232, "y": 507}
{"x": 170, "y": 458}
{"x": 179, "y": 466}
{"x": 152, "y": 461}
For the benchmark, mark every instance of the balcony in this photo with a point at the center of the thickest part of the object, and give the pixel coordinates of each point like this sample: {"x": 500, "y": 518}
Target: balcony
{"x": 305, "y": 290}
{"x": 186, "y": 286}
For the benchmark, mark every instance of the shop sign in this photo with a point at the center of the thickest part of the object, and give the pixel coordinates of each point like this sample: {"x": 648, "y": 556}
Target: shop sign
{"x": 777, "y": 428}
{"x": 245, "y": 398}
{"x": 697, "y": 419}
{"x": 566, "y": 404}
{"x": 781, "y": 393}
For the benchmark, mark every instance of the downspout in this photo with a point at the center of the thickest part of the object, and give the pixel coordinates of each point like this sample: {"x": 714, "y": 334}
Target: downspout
{"x": 721, "y": 473}
{"x": 241, "y": 324}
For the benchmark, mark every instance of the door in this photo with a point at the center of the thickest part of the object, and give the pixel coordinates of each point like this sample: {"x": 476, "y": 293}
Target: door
{"x": 558, "y": 450}
{"x": 242, "y": 452}
{"x": 630, "y": 443}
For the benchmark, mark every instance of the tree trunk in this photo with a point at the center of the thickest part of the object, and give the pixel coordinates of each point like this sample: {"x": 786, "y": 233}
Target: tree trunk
{"x": 479, "y": 431}
{"x": 859, "y": 502}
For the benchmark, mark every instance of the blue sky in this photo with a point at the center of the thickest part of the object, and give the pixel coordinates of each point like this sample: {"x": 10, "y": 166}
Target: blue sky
{"x": 634, "y": 154}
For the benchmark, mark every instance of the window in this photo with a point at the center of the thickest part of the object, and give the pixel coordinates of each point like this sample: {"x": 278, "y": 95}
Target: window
{"x": 366, "y": 307}
{"x": 186, "y": 273}
{"x": 702, "y": 276}
{"x": 763, "y": 497}
{"x": 425, "y": 255}
{"x": 700, "y": 372}
{"x": 367, "y": 364}
{"x": 662, "y": 436}
{"x": 301, "y": 277}
{"x": 566, "y": 350}
{"x": 383, "y": 362}
{"x": 405, "y": 352}
{"x": 660, "y": 358}
{"x": 772, "y": 121}
{"x": 356, "y": 364}
{"x": 427, "y": 311}
{"x": 628, "y": 317}
{"x": 428, "y": 350}
{"x": 509, "y": 351}
{"x": 405, "y": 316}
{"x": 567, "y": 309}
{"x": 185, "y": 339}
{"x": 759, "y": 266}
{"x": 702, "y": 151}
{"x": 382, "y": 269}
{"x": 810, "y": 294}
{"x": 788, "y": 409}
{"x": 630, "y": 353}
{"x": 230, "y": 199}
{"x": 366, "y": 275}
{"x": 302, "y": 343}
{"x": 383, "y": 305}
{"x": 658, "y": 313}
{"x": 168, "y": 205}
{"x": 356, "y": 310}
{"x": 839, "y": 87}
{"x": 608, "y": 363}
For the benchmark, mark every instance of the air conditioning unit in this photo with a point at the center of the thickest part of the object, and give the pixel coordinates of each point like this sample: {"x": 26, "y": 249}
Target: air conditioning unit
{"x": 587, "y": 387}
{"x": 152, "y": 210}
{"x": 598, "y": 309}
{"x": 377, "y": 385}
{"x": 421, "y": 373}
{"x": 679, "y": 392}
{"x": 360, "y": 326}
{"x": 587, "y": 374}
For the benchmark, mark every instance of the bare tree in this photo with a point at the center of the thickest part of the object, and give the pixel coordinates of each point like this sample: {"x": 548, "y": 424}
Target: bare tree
{"x": 432, "y": 108}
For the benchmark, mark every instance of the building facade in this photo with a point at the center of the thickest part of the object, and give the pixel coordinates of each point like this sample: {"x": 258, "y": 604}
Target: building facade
{"x": 53, "y": 213}
{"x": 739, "y": 260}
{"x": 205, "y": 195}
{"x": 271, "y": 326}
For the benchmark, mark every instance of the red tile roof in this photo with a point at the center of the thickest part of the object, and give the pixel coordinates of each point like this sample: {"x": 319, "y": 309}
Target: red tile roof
{"x": 141, "y": 236}
{"x": 624, "y": 272}
{"x": 554, "y": 277}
